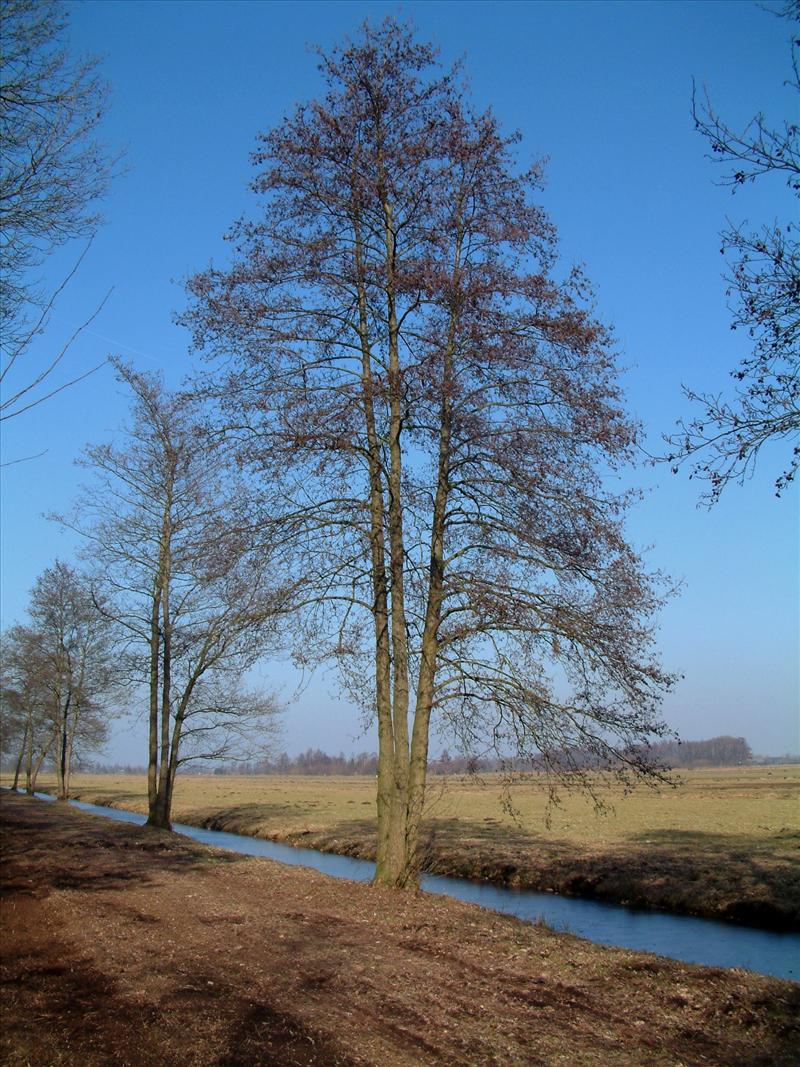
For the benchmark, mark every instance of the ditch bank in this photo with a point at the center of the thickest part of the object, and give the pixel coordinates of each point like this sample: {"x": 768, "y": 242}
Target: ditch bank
{"x": 701, "y": 875}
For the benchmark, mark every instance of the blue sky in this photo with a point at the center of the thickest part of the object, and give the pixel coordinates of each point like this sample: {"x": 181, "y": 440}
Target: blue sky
{"x": 602, "y": 90}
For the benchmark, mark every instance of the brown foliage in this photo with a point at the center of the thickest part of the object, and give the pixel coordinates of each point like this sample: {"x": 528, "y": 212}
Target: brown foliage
{"x": 432, "y": 412}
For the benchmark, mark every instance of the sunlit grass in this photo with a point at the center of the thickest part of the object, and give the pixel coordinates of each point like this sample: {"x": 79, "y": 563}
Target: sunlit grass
{"x": 759, "y": 803}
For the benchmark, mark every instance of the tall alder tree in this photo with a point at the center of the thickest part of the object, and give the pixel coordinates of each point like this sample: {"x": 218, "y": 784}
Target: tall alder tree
{"x": 187, "y": 587}
{"x": 433, "y": 413}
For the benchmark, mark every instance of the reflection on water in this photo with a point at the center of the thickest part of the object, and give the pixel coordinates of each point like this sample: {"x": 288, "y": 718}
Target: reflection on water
{"x": 680, "y": 937}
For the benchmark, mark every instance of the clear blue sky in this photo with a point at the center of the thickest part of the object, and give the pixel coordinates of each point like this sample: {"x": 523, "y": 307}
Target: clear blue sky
{"x": 604, "y": 91}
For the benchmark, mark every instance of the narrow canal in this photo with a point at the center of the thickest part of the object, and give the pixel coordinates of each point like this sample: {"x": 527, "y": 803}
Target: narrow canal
{"x": 679, "y": 937}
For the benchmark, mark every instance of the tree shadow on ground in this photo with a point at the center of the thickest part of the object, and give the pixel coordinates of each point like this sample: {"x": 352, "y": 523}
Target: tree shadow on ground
{"x": 60, "y": 1009}
{"x": 49, "y": 847}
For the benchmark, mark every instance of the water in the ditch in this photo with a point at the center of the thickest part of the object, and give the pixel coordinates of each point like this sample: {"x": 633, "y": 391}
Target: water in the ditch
{"x": 679, "y": 937}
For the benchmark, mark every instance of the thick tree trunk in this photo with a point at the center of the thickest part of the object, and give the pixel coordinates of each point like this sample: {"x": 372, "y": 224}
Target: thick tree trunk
{"x": 159, "y": 816}
{"x": 396, "y": 865}
{"x": 398, "y": 832}
{"x": 166, "y": 658}
{"x": 161, "y": 806}
{"x": 402, "y": 762}
{"x": 71, "y": 730}
{"x": 386, "y": 800}
{"x": 161, "y": 811}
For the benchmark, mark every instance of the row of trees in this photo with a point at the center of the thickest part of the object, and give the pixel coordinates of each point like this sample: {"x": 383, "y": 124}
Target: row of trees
{"x": 176, "y": 601}
{"x": 723, "y": 751}
{"x": 59, "y": 679}
{"x": 311, "y": 762}
{"x": 408, "y": 418}
{"x": 402, "y": 442}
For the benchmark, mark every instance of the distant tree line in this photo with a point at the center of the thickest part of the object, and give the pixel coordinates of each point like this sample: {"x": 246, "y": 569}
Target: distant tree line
{"x": 311, "y": 762}
{"x": 724, "y": 751}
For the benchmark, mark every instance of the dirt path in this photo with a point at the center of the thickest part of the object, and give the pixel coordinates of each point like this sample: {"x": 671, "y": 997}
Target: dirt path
{"x": 133, "y": 947}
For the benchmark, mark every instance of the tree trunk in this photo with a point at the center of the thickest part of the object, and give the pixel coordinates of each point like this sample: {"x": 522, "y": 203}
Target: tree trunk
{"x": 72, "y": 728}
{"x": 152, "y": 745}
{"x": 18, "y": 767}
{"x": 395, "y": 865}
{"x": 161, "y": 811}
{"x": 61, "y": 753}
{"x": 387, "y": 846}
{"x": 166, "y": 785}
{"x": 398, "y": 830}
{"x": 160, "y": 672}
{"x": 31, "y": 784}
{"x": 164, "y": 792}
{"x": 159, "y": 817}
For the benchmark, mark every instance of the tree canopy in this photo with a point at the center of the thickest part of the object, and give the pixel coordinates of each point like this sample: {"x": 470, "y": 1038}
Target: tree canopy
{"x": 723, "y": 441}
{"x": 432, "y": 412}
{"x": 54, "y": 172}
{"x": 188, "y": 589}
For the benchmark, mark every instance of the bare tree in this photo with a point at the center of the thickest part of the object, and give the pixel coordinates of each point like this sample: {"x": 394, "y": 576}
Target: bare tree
{"x": 13, "y": 712}
{"x": 432, "y": 412}
{"x": 53, "y": 173}
{"x": 26, "y": 702}
{"x": 723, "y": 442}
{"x": 184, "y": 581}
{"x": 67, "y": 678}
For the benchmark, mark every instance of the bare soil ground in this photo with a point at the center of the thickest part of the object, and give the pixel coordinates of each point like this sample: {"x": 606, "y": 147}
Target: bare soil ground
{"x": 129, "y": 946}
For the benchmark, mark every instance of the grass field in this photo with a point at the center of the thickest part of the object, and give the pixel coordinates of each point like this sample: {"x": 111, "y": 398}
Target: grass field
{"x": 724, "y": 843}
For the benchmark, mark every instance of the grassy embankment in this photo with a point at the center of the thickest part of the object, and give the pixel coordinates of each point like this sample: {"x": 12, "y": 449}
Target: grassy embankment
{"x": 724, "y": 844}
